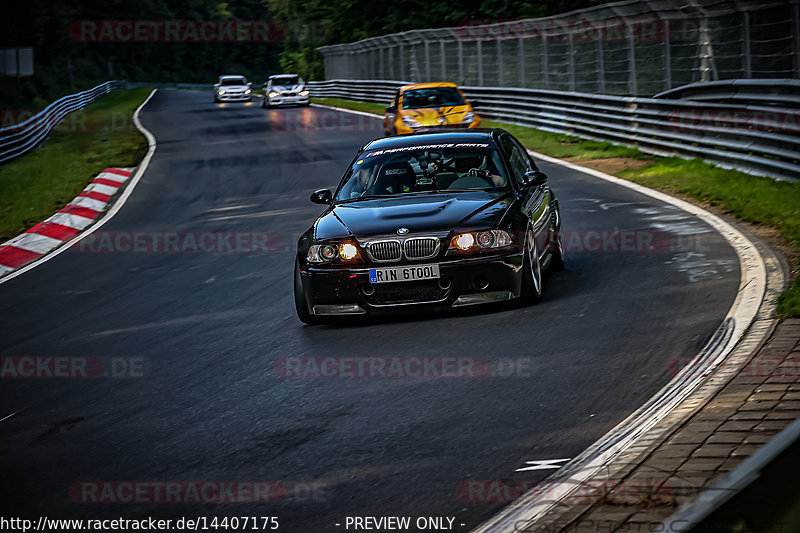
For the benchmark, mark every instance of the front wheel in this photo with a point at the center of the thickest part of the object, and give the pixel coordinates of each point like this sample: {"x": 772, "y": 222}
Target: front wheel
{"x": 556, "y": 243}
{"x": 531, "y": 272}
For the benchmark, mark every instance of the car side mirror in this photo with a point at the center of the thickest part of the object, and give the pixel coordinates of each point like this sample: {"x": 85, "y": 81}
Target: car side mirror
{"x": 532, "y": 178}
{"x": 391, "y": 109}
{"x": 322, "y": 196}
{"x": 475, "y": 103}
{"x": 249, "y": 83}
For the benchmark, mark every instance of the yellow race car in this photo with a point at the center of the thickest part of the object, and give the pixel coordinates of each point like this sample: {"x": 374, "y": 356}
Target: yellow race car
{"x": 428, "y": 106}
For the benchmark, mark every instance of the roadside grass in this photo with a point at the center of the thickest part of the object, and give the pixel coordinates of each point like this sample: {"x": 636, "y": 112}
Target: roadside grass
{"x": 39, "y": 183}
{"x": 757, "y": 200}
{"x": 349, "y": 104}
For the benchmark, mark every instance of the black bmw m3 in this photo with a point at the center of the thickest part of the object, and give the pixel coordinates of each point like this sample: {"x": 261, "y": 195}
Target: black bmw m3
{"x": 435, "y": 220}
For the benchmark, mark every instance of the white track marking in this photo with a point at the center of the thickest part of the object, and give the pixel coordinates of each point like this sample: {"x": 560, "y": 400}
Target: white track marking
{"x": 140, "y": 170}
{"x": 547, "y": 464}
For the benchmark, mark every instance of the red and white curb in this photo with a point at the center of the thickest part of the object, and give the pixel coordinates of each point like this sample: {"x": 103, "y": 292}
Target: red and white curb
{"x": 64, "y": 225}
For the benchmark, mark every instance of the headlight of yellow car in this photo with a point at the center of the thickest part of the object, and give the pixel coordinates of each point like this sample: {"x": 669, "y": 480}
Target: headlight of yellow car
{"x": 411, "y": 122}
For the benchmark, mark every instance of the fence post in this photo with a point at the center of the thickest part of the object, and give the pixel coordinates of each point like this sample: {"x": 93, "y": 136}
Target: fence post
{"x": 631, "y": 60}
{"x": 667, "y": 56}
{"x": 796, "y": 36}
{"x": 500, "y": 79}
{"x": 571, "y": 62}
{"x": 522, "y": 61}
{"x": 747, "y": 61}
{"x": 460, "y": 62}
{"x": 601, "y": 66}
{"x": 442, "y": 53}
{"x": 545, "y": 77}
{"x": 427, "y": 61}
{"x": 480, "y": 63}
{"x": 402, "y": 62}
{"x": 380, "y": 63}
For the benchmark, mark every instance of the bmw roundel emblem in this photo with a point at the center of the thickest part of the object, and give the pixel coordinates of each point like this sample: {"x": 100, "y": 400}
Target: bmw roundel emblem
{"x": 402, "y": 231}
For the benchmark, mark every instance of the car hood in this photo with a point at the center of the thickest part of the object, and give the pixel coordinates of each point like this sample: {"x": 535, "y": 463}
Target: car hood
{"x": 233, "y": 87}
{"x": 432, "y": 213}
{"x": 438, "y": 116}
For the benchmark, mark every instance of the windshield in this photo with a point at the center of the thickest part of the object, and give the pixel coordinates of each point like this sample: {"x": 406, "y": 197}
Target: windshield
{"x": 233, "y": 81}
{"x": 287, "y": 80}
{"x": 432, "y": 97}
{"x": 424, "y": 170}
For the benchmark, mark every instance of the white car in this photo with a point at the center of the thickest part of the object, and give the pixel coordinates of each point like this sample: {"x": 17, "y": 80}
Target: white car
{"x": 285, "y": 89}
{"x": 232, "y": 89}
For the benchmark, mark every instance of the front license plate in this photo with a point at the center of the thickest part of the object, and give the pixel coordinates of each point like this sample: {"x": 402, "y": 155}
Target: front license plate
{"x": 405, "y": 273}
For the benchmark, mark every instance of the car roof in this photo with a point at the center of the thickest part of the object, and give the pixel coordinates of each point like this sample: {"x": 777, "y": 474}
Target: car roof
{"x": 232, "y": 76}
{"x": 427, "y": 85}
{"x": 282, "y": 76}
{"x": 423, "y": 138}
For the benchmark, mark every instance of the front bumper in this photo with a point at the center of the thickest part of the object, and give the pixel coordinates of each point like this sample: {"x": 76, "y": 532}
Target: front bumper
{"x": 402, "y": 128}
{"x": 288, "y": 100}
{"x": 463, "y": 281}
{"x": 236, "y": 97}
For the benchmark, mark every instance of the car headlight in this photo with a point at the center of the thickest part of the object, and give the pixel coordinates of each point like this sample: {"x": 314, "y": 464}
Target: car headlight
{"x": 303, "y": 93}
{"x": 273, "y": 94}
{"x": 248, "y": 91}
{"x": 345, "y": 251}
{"x": 221, "y": 91}
{"x": 481, "y": 240}
{"x": 469, "y": 116}
{"x": 411, "y": 122}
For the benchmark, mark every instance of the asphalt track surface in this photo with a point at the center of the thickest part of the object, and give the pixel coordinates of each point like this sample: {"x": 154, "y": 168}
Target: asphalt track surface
{"x": 209, "y": 328}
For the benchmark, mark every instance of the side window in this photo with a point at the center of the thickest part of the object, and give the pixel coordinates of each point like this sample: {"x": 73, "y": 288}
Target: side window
{"x": 517, "y": 157}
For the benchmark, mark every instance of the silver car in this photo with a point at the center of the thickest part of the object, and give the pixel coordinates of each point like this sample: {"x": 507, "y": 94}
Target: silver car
{"x": 232, "y": 89}
{"x": 285, "y": 89}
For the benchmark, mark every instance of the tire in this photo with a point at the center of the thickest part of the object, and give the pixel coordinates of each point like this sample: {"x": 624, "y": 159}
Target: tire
{"x": 264, "y": 102}
{"x": 300, "y": 304}
{"x": 532, "y": 287}
{"x": 556, "y": 243}
{"x": 306, "y": 104}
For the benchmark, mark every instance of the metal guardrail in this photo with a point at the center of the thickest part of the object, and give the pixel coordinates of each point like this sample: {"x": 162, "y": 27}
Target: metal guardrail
{"x": 20, "y": 138}
{"x": 781, "y": 93}
{"x": 757, "y": 139}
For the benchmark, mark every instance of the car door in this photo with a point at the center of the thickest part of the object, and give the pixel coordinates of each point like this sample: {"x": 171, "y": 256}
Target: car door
{"x": 535, "y": 203}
